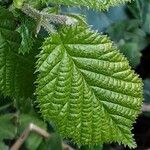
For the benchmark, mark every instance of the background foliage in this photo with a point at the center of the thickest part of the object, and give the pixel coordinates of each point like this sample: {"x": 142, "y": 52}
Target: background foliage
{"x": 127, "y": 25}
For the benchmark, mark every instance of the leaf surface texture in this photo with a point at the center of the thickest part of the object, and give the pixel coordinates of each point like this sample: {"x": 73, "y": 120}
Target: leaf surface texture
{"x": 87, "y": 88}
{"x": 16, "y": 70}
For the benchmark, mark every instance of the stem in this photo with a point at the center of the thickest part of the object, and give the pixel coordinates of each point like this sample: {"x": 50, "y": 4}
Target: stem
{"x": 32, "y": 127}
{"x": 5, "y": 107}
{"x": 146, "y": 107}
{"x": 44, "y": 19}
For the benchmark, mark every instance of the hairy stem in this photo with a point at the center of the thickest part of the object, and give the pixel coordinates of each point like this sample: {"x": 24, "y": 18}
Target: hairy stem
{"x": 35, "y": 14}
{"x": 44, "y": 19}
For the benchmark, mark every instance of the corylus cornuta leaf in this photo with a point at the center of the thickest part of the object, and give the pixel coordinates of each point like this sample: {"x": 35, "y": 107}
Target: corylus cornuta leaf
{"x": 94, "y": 4}
{"x": 16, "y": 70}
{"x": 87, "y": 88}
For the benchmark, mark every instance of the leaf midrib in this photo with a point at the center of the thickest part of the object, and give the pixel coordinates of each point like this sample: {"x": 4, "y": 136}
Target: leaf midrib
{"x": 108, "y": 113}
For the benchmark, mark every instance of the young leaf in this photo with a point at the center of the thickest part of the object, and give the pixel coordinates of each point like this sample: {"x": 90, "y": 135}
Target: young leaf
{"x": 141, "y": 10}
{"x": 18, "y": 3}
{"x": 94, "y": 4}
{"x": 27, "y": 40}
{"x": 27, "y": 31}
{"x": 86, "y": 87}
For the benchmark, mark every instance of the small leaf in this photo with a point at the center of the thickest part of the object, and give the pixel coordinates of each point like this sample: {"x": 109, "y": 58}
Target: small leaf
{"x": 18, "y": 3}
{"x": 141, "y": 10}
{"x": 27, "y": 40}
{"x": 146, "y": 24}
{"x": 27, "y": 31}
{"x": 86, "y": 87}
{"x": 130, "y": 39}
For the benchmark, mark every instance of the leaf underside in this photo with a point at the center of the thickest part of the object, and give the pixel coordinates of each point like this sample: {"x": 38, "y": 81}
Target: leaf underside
{"x": 86, "y": 87}
{"x": 94, "y": 4}
{"x": 16, "y": 70}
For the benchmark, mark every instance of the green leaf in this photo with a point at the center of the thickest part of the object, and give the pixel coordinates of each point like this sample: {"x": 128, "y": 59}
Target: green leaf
{"x": 3, "y": 146}
{"x": 27, "y": 31}
{"x": 146, "y": 19}
{"x": 7, "y": 21}
{"x": 24, "y": 105}
{"x": 86, "y": 87}
{"x": 5, "y": 3}
{"x": 141, "y": 10}
{"x": 27, "y": 40}
{"x": 94, "y": 4}
{"x": 132, "y": 52}
{"x": 129, "y": 31}
{"x": 18, "y": 3}
{"x": 16, "y": 70}
{"x": 16, "y": 74}
{"x": 8, "y": 129}
{"x": 53, "y": 143}
{"x": 130, "y": 39}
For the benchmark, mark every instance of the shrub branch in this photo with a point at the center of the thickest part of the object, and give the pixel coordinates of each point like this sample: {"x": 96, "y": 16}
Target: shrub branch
{"x": 33, "y": 128}
{"x": 45, "y": 19}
